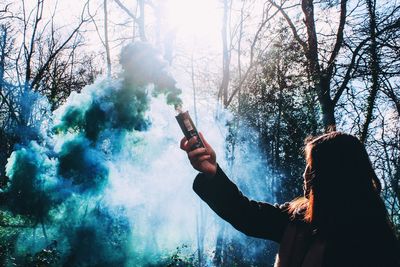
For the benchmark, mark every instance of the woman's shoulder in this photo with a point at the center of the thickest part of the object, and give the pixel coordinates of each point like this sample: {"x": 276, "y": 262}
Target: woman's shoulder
{"x": 296, "y": 209}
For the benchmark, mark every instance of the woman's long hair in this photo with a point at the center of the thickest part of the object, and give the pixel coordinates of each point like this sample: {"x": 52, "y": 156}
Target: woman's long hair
{"x": 342, "y": 195}
{"x": 340, "y": 183}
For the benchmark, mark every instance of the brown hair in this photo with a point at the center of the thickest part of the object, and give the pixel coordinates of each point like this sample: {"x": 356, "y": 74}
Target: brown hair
{"x": 343, "y": 204}
{"x": 340, "y": 180}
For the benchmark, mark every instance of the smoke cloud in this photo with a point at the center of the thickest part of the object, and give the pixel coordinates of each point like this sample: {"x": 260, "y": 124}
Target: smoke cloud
{"x": 107, "y": 185}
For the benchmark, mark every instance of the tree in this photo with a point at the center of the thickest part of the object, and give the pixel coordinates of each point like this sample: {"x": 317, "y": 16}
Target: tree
{"x": 323, "y": 68}
{"x": 374, "y": 66}
{"x": 223, "y": 91}
{"x": 320, "y": 76}
{"x": 280, "y": 106}
{"x": 38, "y": 50}
{"x": 26, "y": 65}
{"x": 68, "y": 74}
{"x": 139, "y": 20}
{"x": 106, "y": 41}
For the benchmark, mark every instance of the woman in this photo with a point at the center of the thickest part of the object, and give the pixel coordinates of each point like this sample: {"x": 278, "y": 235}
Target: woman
{"x": 340, "y": 221}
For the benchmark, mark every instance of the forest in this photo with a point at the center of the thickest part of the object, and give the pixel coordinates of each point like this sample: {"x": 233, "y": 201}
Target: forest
{"x": 91, "y": 173}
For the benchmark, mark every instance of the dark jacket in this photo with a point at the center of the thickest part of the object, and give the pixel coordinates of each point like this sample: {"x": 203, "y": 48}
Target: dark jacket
{"x": 301, "y": 244}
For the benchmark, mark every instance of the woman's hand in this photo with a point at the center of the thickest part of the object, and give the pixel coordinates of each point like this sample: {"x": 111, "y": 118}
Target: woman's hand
{"x": 202, "y": 159}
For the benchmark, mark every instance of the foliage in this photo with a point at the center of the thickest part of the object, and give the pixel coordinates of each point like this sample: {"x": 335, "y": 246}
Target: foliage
{"x": 179, "y": 258}
{"x": 279, "y": 105}
{"x": 47, "y": 257}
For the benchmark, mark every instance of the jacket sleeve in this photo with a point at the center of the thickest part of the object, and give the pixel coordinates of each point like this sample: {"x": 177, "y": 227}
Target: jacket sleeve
{"x": 256, "y": 219}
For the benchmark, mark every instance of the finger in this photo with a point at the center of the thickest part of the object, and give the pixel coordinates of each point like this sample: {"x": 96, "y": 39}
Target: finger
{"x": 206, "y": 144}
{"x": 192, "y": 141}
{"x": 196, "y": 153}
{"x": 203, "y": 158}
{"x": 199, "y": 160}
{"x": 184, "y": 145}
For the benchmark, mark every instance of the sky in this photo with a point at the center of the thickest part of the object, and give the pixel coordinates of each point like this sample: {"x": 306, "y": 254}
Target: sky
{"x": 196, "y": 27}
{"x": 194, "y": 21}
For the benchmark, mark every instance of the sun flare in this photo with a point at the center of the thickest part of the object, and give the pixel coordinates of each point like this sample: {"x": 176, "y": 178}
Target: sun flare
{"x": 193, "y": 17}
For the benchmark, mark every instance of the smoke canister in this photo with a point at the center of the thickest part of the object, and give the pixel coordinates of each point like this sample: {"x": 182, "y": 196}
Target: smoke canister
{"x": 188, "y": 128}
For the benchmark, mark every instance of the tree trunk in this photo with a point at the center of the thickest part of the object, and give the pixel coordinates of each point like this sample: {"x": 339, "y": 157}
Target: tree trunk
{"x": 3, "y": 44}
{"x": 223, "y": 91}
{"x": 142, "y": 32}
{"x": 321, "y": 79}
{"x": 374, "y": 67}
{"x": 106, "y": 41}
{"x": 327, "y": 106}
{"x": 281, "y": 86}
{"x": 219, "y": 247}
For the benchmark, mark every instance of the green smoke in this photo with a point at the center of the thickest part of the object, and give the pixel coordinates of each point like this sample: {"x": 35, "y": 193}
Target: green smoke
{"x": 143, "y": 65}
{"x": 59, "y": 183}
{"x": 30, "y": 188}
{"x": 102, "y": 240}
{"x": 83, "y": 165}
{"x": 104, "y": 106}
{"x": 105, "y": 188}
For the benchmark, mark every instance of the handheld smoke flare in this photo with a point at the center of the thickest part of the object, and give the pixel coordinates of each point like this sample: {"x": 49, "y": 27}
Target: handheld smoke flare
{"x": 188, "y": 127}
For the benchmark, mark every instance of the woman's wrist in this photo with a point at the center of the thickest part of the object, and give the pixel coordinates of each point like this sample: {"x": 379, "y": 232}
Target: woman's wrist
{"x": 212, "y": 171}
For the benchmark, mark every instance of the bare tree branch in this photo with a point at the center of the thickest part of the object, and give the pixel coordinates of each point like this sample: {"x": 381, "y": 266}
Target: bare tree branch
{"x": 355, "y": 54}
{"x": 45, "y": 66}
{"x": 339, "y": 35}
{"x": 291, "y": 25}
{"x": 127, "y": 11}
{"x": 107, "y": 46}
{"x": 265, "y": 19}
{"x": 38, "y": 17}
